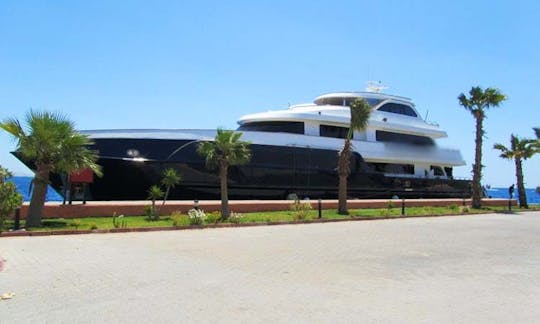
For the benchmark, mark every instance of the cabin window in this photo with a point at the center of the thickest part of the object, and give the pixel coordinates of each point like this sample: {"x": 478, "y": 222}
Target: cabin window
{"x": 332, "y": 101}
{"x": 437, "y": 171}
{"x": 274, "y": 127}
{"x": 392, "y": 168}
{"x": 371, "y": 101}
{"x": 400, "y": 109}
{"x": 341, "y": 101}
{"x": 449, "y": 172}
{"x": 383, "y": 136}
{"x": 333, "y": 131}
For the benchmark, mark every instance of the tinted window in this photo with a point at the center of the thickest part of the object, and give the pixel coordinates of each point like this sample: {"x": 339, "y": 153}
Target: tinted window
{"x": 276, "y": 127}
{"x": 437, "y": 170}
{"x": 391, "y": 168}
{"x": 371, "y": 101}
{"x": 332, "y": 101}
{"x": 398, "y": 109}
{"x": 383, "y": 136}
{"x": 333, "y": 131}
{"x": 448, "y": 171}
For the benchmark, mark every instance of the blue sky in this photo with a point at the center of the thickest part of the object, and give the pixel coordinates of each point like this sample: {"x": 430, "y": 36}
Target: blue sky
{"x": 202, "y": 64}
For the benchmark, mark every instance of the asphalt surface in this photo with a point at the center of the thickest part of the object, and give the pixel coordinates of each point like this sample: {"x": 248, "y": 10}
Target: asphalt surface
{"x": 472, "y": 269}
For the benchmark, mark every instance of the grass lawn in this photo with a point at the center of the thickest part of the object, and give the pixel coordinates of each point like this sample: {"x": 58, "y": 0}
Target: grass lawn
{"x": 261, "y": 217}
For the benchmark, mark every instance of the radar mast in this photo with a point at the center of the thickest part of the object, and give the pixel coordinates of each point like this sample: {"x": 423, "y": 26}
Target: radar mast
{"x": 375, "y": 86}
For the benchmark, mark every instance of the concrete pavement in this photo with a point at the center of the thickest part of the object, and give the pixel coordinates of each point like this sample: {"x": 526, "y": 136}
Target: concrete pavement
{"x": 473, "y": 269}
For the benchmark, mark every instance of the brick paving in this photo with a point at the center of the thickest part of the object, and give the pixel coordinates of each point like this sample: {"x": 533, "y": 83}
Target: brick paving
{"x": 474, "y": 269}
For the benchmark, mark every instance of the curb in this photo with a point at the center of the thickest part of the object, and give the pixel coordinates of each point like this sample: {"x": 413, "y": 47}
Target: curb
{"x": 225, "y": 225}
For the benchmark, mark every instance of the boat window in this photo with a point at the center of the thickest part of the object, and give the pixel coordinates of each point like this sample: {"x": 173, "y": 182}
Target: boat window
{"x": 393, "y": 168}
{"x": 400, "y": 109}
{"x": 437, "y": 171}
{"x": 333, "y": 131}
{"x": 332, "y": 101}
{"x": 371, "y": 101}
{"x": 274, "y": 126}
{"x": 340, "y": 101}
{"x": 449, "y": 172}
{"x": 383, "y": 136}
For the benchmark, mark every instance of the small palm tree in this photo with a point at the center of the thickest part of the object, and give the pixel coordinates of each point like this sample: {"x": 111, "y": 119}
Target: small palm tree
{"x": 360, "y": 112}
{"x": 520, "y": 149}
{"x": 226, "y": 150}
{"x": 52, "y": 144}
{"x": 170, "y": 179}
{"x": 477, "y": 103}
{"x": 154, "y": 193}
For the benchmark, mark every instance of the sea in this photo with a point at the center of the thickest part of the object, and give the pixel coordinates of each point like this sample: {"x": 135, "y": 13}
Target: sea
{"x": 23, "y": 185}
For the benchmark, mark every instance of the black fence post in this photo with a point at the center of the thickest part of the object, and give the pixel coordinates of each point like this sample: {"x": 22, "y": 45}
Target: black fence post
{"x": 320, "y": 208}
{"x": 17, "y": 220}
{"x": 196, "y": 204}
{"x": 403, "y": 207}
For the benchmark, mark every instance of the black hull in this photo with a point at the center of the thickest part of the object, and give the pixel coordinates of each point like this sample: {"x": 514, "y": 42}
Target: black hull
{"x": 273, "y": 173}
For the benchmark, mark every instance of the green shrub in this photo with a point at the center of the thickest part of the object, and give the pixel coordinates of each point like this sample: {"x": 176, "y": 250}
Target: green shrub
{"x": 10, "y": 198}
{"x": 454, "y": 208}
{"x": 75, "y": 223}
{"x": 196, "y": 216}
{"x": 179, "y": 219}
{"x": 464, "y": 209}
{"x": 93, "y": 226}
{"x": 235, "y": 218}
{"x": 300, "y": 210}
{"x": 213, "y": 217}
{"x": 119, "y": 221}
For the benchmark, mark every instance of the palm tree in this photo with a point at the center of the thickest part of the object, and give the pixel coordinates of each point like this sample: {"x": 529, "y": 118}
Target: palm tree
{"x": 51, "y": 143}
{"x": 170, "y": 179}
{"x": 226, "y": 150}
{"x": 477, "y": 103}
{"x": 520, "y": 149}
{"x": 154, "y": 193}
{"x": 360, "y": 111}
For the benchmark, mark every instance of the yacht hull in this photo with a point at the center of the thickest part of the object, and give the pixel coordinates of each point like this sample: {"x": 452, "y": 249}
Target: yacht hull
{"x": 274, "y": 172}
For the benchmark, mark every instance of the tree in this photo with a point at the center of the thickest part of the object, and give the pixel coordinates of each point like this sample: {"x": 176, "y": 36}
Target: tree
{"x": 520, "y": 149}
{"x": 51, "y": 143}
{"x": 477, "y": 103}
{"x": 226, "y": 150}
{"x": 170, "y": 179}
{"x": 154, "y": 193}
{"x": 10, "y": 198}
{"x": 360, "y": 112}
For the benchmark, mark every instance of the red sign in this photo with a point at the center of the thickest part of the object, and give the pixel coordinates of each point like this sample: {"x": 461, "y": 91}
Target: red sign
{"x": 82, "y": 176}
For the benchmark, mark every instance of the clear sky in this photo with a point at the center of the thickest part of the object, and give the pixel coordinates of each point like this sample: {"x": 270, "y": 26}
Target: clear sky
{"x": 202, "y": 64}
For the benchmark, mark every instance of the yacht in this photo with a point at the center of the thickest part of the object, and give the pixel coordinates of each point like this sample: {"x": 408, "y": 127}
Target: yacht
{"x": 294, "y": 155}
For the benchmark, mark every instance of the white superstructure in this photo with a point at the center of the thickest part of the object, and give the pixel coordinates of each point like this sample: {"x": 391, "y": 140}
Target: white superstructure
{"x": 396, "y": 134}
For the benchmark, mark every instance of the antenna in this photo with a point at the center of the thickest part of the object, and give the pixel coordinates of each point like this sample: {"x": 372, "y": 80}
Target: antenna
{"x": 375, "y": 86}
{"x": 427, "y": 113}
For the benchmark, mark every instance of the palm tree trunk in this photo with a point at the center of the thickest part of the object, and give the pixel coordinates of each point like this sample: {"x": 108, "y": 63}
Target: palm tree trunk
{"x": 166, "y": 196}
{"x": 37, "y": 201}
{"x": 224, "y": 193}
{"x": 520, "y": 186}
{"x": 342, "y": 205}
{"x": 344, "y": 170}
{"x": 477, "y": 167}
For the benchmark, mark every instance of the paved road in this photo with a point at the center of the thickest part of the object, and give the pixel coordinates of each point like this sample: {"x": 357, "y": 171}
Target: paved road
{"x": 474, "y": 269}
